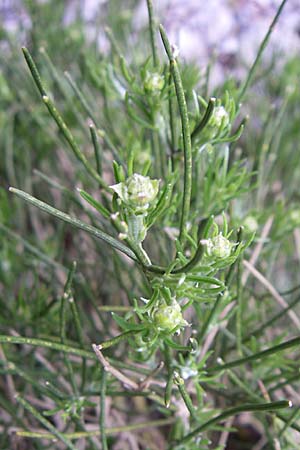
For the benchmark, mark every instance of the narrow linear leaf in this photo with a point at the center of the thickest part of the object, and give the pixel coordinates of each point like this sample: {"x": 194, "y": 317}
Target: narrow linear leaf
{"x": 260, "y": 355}
{"x": 100, "y": 208}
{"x": 204, "y": 121}
{"x": 45, "y": 422}
{"x": 75, "y": 222}
{"x": 272, "y": 406}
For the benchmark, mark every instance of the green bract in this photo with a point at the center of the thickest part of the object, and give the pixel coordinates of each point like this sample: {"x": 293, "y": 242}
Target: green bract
{"x": 137, "y": 192}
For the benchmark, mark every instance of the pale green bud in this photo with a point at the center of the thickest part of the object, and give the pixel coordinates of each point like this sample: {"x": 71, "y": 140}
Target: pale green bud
{"x": 137, "y": 192}
{"x": 154, "y": 82}
{"x": 295, "y": 216}
{"x": 168, "y": 317}
{"x": 250, "y": 223}
{"x": 218, "y": 247}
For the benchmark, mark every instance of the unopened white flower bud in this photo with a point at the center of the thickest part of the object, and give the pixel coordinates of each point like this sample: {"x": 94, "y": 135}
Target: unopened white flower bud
{"x": 219, "y": 116}
{"x": 250, "y": 223}
{"x": 154, "y": 82}
{"x": 137, "y": 192}
{"x": 218, "y": 247}
{"x": 168, "y": 317}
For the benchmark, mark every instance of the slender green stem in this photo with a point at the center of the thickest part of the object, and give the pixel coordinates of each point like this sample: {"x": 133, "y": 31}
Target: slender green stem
{"x": 187, "y": 144}
{"x": 109, "y": 431}
{"x": 185, "y": 396}
{"x": 193, "y": 261}
{"x": 45, "y": 422}
{"x": 260, "y": 355}
{"x": 102, "y": 409}
{"x": 172, "y": 115}
{"x": 228, "y": 280}
{"x": 115, "y": 308}
{"x": 256, "y": 407}
{"x": 294, "y": 417}
{"x": 259, "y": 53}
{"x": 215, "y": 307}
{"x": 52, "y": 345}
{"x": 60, "y": 122}
{"x": 239, "y": 311}
{"x": 97, "y": 150}
{"x": 168, "y": 389}
{"x": 47, "y": 344}
{"x": 140, "y": 253}
{"x": 34, "y": 71}
{"x": 152, "y": 32}
{"x": 117, "y": 339}
{"x": 75, "y": 222}
{"x": 169, "y": 385}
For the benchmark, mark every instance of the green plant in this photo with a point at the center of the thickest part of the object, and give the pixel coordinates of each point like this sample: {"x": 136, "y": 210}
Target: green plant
{"x": 168, "y": 206}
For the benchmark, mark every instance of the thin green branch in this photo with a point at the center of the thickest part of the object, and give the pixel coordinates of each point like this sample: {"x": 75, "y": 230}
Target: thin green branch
{"x": 185, "y": 396}
{"x": 54, "y": 345}
{"x": 34, "y": 71}
{"x": 60, "y": 122}
{"x": 47, "y": 344}
{"x": 152, "y": 33}
{"x": 97, "y": 150}
{"x": 187, "y": 143}
{"x": 121, "y": 337}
